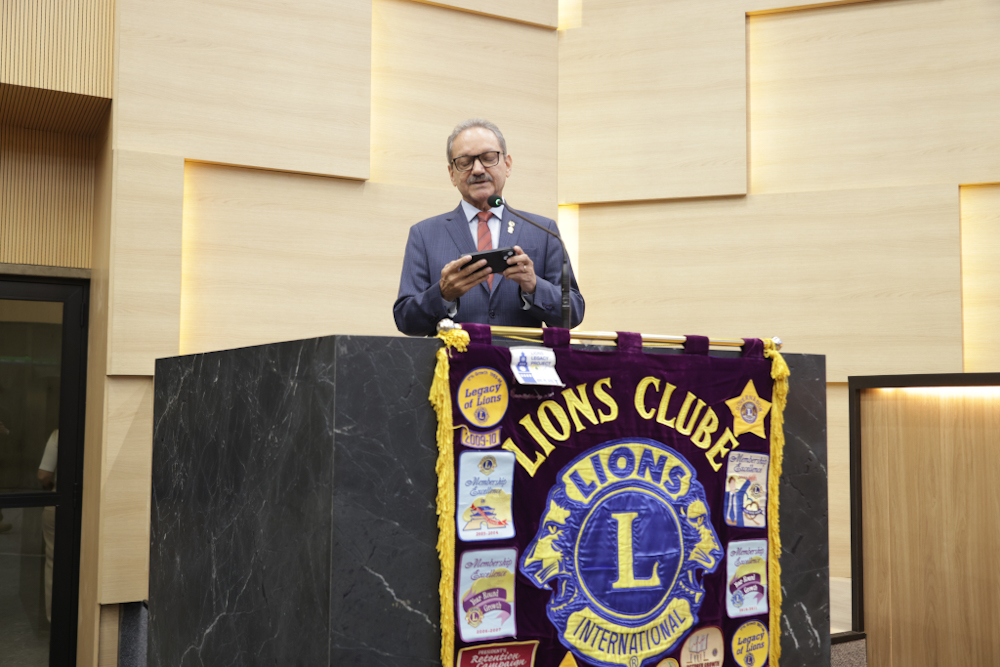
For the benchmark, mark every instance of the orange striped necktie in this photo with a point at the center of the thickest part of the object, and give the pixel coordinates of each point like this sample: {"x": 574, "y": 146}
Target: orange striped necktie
{"x": 485, "y": 239}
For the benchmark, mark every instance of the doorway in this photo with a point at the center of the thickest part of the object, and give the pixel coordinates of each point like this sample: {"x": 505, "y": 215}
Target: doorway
{"x": 43, "y": 354}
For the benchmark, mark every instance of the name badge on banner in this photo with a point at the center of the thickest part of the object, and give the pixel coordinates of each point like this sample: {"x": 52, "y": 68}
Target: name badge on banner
{"x": 485, "y": 494}
{"x": 535, "y": 365}
{"x": 486, "y": 594}
{"x": 746, "y": 577}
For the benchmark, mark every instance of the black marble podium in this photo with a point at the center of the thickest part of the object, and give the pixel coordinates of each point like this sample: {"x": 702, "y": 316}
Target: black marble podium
{"x": 293, "y": 514}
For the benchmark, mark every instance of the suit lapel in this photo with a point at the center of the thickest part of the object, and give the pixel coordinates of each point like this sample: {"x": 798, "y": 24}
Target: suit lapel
{"x": 513, "y": 224}
{"x": 458, "y": 228}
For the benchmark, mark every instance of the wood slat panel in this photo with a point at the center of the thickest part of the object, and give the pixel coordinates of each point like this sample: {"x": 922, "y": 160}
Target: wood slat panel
{"x": 271, "y": 256}
{"x": 875, "y": 94}
{"x": 264, "y": 83}
{"x": 981, "y": 277}
{"x": 51, "y": 111}
{"x": 937, "y": 520}
{"x": 46, "y": 197}
{"x": 145, "y": 262}
{"x": 871, "y": 278}
{"x": 57, "y": 45}
{"x": 652, "y": 101}
{"x": 543, "y": 13}
{"x": 432, "y": 68}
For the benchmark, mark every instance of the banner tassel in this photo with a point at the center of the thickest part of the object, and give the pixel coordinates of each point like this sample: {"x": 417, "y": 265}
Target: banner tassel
{"x": 779, "y": 373}
{"x": 440, "y": 398}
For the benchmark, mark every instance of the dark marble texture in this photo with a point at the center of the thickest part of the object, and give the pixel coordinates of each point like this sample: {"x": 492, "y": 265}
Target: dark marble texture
{"x": 293, "y": 517}
{"x": 805, "y": 541}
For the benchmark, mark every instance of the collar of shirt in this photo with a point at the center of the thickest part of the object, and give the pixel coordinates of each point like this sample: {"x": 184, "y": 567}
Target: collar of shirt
{"x": 494, "y": 223}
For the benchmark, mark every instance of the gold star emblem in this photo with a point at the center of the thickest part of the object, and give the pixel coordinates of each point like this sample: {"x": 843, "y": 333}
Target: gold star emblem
{"x": 749, "y": 411}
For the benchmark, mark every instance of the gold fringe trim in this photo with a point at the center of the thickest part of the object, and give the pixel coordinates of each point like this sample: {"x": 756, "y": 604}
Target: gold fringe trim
{"x": 779, "y": 373}
{"x": 440, "y": 397}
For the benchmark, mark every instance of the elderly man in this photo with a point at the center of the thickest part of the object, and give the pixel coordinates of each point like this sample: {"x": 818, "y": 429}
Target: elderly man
{"x": 437, "y": 280}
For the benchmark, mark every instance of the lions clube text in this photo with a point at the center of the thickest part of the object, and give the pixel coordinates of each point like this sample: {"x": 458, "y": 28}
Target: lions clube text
{"x": 554, "y": 419}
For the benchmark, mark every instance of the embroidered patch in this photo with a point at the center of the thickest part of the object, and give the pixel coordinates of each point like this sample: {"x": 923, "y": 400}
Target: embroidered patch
{"x": 750, "y": 644}
{"x": 749, "y": 411}
{"x": 482, "y": 397}
{"x": 485, "y": 494}
{"x": 746, "y": 490}
{"x": 623, "y": 547}
{"x": 519, "y": 654}
{"x": 704, "y": 647}
{"x": 486, "y": 595}
{"x": 746, "y": 577}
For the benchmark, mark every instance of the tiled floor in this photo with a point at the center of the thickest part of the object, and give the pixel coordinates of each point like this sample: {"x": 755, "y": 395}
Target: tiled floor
{"x": 23, "y": 628}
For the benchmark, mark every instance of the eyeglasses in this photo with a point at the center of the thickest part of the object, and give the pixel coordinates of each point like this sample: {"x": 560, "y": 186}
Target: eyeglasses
{"x": 488, "y": 159}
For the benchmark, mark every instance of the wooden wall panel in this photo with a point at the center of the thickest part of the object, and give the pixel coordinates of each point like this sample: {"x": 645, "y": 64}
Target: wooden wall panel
{"x": 875, "y": 94}
{"x": 51, "y": 110}
{"x": 145, "y": 269}
{"x": 652, "y": 101}
{"x": 58, "y": 45}
{"x": 838, "y": 466}
{"x": 871, "y": 278}
{"x": 108, "y": 652}
{"x": 46, "y": 197}
{"x": 88, "y": 626}
{"x": 433, "y": 67}
{"x": 265, "y": 83}
{"x": 128, "y": 452}
{"x": 774, "y": 6}
{"x": 877, "y": 503}
{"x": 270, "y": 256}
{"x": 936, "y": 526}
{"x": 543, "y": 13}
{"x": 981, "y": 277}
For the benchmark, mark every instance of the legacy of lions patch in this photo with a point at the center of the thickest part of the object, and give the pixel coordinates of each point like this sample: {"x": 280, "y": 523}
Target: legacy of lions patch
{"x": 623, "y": 546}
{"x": 482, "y": 398}
{"x": 750, "y": 644}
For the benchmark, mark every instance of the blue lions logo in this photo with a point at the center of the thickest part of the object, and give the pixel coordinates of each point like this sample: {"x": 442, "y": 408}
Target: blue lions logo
{"x": 623, "y": 546}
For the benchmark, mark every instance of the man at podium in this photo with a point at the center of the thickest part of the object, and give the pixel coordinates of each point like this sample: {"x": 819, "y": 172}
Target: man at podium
{"x": 438, "y": 280}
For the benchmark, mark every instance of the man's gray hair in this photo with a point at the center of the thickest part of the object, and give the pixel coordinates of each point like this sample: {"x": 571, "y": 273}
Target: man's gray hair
{"x": 476, "y": 122}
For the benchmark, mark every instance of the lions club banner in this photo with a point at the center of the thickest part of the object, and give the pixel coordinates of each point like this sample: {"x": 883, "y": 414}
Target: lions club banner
{"x": 612, "y": 508}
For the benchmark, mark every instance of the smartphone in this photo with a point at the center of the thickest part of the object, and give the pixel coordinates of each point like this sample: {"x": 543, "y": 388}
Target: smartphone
{"x": 495, "y": 259}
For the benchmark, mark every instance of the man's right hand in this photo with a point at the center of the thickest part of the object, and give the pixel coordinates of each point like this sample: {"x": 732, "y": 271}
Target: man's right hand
{"x": 456, "y": 281}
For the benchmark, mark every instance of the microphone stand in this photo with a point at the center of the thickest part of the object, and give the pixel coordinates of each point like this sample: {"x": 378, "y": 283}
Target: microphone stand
{"x": 565, "y": 267}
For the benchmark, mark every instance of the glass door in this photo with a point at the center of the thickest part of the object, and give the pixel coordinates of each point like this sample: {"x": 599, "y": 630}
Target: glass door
{"x": 43, "y": 342}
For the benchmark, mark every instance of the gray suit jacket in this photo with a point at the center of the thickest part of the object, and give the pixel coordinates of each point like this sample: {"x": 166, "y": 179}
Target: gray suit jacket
{"x": 444, "y": 238}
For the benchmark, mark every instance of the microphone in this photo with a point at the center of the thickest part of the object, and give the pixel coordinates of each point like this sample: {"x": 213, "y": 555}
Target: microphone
{"x": 495, "y": 201}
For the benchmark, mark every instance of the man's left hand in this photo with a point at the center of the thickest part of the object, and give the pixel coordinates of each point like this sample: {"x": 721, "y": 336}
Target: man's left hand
{"x": 521, "y": 271}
